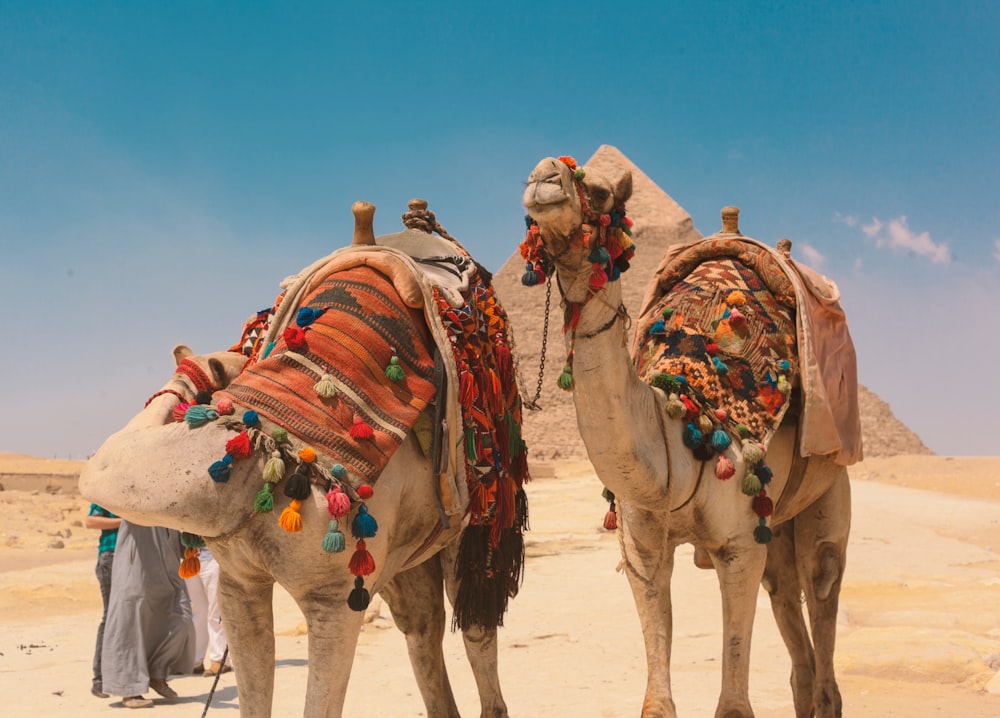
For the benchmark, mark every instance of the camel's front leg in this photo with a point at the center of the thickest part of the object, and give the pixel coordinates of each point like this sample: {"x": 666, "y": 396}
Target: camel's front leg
{"x": 416, "y": 600}
{"x": 248, "y": 615}
{"x": 649, "y": 565}
{"x": 480, "y": 646}
{"x": 740, "y": 566}
{"x": 333, "y": 637}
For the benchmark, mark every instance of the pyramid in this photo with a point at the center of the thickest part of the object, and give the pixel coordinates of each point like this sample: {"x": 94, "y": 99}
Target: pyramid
{"x": 551, "y": 432}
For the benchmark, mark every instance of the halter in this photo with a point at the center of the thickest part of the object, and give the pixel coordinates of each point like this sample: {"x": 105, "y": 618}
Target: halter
{"x": 608, "y": 236}
{"x": 197, "y": 376}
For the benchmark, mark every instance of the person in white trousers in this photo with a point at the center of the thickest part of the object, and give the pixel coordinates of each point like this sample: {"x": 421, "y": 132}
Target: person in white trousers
{"x": 210, "y": 635}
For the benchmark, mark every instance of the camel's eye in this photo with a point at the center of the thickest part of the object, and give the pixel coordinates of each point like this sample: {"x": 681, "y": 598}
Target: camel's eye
{"x": 600, "y": 194}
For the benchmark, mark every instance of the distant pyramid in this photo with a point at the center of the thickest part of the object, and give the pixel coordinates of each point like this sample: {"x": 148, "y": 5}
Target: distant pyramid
{"x": 660, "y": 222}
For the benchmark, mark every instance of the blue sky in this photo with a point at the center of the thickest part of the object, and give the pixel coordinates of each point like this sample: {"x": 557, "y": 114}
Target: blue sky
{"x": 164, "y": 165}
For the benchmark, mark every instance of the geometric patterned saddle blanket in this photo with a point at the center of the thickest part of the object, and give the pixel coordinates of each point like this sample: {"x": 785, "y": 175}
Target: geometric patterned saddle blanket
{"x": 724, "y": 342}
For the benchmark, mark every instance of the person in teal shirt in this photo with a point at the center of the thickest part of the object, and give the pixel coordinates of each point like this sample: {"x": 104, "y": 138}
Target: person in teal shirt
{"x": 108, "y": 523}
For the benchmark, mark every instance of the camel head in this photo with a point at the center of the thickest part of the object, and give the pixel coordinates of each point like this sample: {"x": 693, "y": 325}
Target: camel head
{"x": 573, "y": 212}
{"x": 125, "y": 475}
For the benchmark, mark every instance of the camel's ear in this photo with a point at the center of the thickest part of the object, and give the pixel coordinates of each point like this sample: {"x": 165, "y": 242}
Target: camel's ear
{"x": 218, "y": 372}
{"x": 623, "y": 189}
{"x": 181, "y": 352}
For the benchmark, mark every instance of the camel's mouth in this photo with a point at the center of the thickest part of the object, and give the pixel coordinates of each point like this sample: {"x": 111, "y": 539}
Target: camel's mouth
{"x": 545, "y": 197}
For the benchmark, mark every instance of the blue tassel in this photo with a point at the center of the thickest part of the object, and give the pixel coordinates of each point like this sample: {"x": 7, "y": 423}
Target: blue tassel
{"x": 334, "y": 541}
{"x": 308, "y": 315}
{"x": 763, "y": 473}
{"x": 219, "y": 471}
{"x": 267, "y": 351}
{"x": 659, "y": 327}
{"x": 721, "y": 440}
{"x": 692, "y": 436}
{"x": 720, "y": 366}
{"x": 338, "y": 472}
{"x": 529, "y": 278}
{"x": 251, "y": 418}
{"x": 762, "y": 534}
{"x": 198, "y": 414}
{"x": 364, "y": 524}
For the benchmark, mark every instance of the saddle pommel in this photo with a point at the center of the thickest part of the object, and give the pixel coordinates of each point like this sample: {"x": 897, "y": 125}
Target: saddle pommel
{"x": 364, "y": 223}
{"x": 731, "y": 220}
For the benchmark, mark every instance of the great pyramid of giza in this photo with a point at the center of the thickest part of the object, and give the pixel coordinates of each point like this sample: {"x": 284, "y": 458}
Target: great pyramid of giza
{"x": 551, "y": 433}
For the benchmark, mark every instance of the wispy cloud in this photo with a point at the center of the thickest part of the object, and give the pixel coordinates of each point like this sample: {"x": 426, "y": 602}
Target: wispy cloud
{"x": 813, "y": 257}
{"x": 896, "y": 234}
{"x": 849, "y": 219}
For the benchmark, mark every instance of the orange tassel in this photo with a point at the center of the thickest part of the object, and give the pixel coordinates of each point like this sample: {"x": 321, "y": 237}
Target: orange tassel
{"x": 191, "y": 564}
{"x": 291, "y": 519}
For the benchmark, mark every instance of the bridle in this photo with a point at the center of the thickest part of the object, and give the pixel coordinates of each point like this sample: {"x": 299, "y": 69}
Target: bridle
{"x": 199, "y": 382}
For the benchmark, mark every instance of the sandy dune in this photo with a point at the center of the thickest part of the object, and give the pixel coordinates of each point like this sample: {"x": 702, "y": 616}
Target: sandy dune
{"x": 919, "y": 628}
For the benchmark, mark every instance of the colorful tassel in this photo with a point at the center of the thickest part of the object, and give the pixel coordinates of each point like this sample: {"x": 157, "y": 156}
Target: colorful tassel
{"x": 721, "y": 439}
{"x": 364, "y": 525}
{"x": 334, "y": 541}
{"x": 361, "y": 563}
{"x": 359, "y": 598}
{"x": 365, "y": 491}
{"x": 307, "y": 454}
{"x": 199, "y": 415}
{"x": 565, "y": 380}
{"x": 394, "y": 372}
{"x": 530, "y": 277}
{"x": 337, "y": 502}
{"x": 263, "y": 503}
{"x": 239, "y": 447}
{"x": 751, "y": 484}
{"x": 361, "y": 430}
{"x": 298, "y": 486}
{"x": 762, "y": 534}
{"x": 224, "y": 406}
{"x": 294, "y": 337}
{"x": 220, "y": 470}
{"x": 280, "y": 435}
{"x": 274, "y": 469}
{"x": 765, "y": 473}
{"x": 291, "y": 519}
{"x": 762, "y": 505}
{"x": 675, "y": 407}
{"x": 691, "y": 436}
{"x": 325, "y": 388}
{"x": 752, "y": 452}
{"x": 251, "y": 418}
{"x": 180, "y": 411}
{"x": 308, "y": 315}
{"x": 338, "y": 472}
{"x": 191, "y": 564}
{"x": 724, "y": 469}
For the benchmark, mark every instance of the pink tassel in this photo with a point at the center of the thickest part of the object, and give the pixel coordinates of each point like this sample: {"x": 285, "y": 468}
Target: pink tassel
{"x": 337, "y": 502}
{"x": 724, "y": 469}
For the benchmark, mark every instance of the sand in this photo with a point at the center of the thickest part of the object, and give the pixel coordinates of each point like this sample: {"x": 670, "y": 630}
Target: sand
{"x": 919, "y": 629}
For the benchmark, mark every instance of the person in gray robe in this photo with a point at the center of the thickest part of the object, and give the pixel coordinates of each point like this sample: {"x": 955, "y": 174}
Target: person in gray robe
{"x": 149, "y": 633}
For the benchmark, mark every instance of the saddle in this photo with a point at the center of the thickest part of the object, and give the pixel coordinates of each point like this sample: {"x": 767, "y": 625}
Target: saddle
{"x": 829, "y": 421}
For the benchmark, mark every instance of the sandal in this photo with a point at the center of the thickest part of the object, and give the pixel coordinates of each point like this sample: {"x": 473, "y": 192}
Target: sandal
{"x": 136, "y": 702}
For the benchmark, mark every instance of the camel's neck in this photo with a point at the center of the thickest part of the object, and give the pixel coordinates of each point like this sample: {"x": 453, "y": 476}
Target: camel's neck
{"x": 618, "y": 414}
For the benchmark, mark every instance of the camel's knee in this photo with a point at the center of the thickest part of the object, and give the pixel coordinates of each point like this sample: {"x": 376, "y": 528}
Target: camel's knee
{"x": 827, "y": 570}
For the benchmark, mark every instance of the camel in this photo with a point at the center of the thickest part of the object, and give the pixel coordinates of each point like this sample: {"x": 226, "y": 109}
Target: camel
{"x": 153, "y": 472}
{"x": 663, "y": 495}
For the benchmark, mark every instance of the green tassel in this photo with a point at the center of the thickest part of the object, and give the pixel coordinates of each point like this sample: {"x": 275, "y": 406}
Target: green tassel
{"x": 762, "y": 534}
{"x": 783, "y": 386}
{"x": 279, "y": 434}
{"x": 675, "y": 407}
{"x": 514, "y": 443}
{"x": 751, "y": 484}
{"x": 274, "y": 469}
{"x": 334, "y": 541}
{"x": 394, "y": 372}
{"x": 566, "y": 378}
{"x": 752, "y": 453}
{"x": 264, "y": 502}
{"x": 470, "y": 442}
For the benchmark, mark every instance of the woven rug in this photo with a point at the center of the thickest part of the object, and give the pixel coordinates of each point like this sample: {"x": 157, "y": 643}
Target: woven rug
{"x": 727, "y": 339}
{"x": 362, "y": 325}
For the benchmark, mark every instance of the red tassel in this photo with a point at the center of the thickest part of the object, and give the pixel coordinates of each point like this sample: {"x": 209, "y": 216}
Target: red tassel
{"x": 504, "y": 361}
{"x": 361, "y": 563}
{"x": 611, "y": 520}
{"x": 239, "y": 446}
{"x": 361, "y": 430}
{"x": 466, "y": 388}
{"x": 691, "y": 409}
{"x": 762, "y": 505}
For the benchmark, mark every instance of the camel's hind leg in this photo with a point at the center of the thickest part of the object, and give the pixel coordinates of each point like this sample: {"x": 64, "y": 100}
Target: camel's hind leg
{"x": 416, "y": 599}
{"x": 821, "y": 533}
{"x": 781, "y": 580}
{"x": 806, "y": 558}
{"x": 480, "y": 647}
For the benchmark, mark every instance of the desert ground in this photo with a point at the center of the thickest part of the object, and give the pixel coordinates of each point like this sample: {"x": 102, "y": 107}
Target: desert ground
{"x": 919, "y": 631}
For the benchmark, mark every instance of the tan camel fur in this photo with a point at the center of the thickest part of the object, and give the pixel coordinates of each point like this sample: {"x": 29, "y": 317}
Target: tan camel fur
{"x": 637, "y": 452}
{"x": 153, "y": 472}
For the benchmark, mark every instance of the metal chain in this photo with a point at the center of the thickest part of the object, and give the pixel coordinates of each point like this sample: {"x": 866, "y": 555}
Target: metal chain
{"x": 532, "y": 404}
